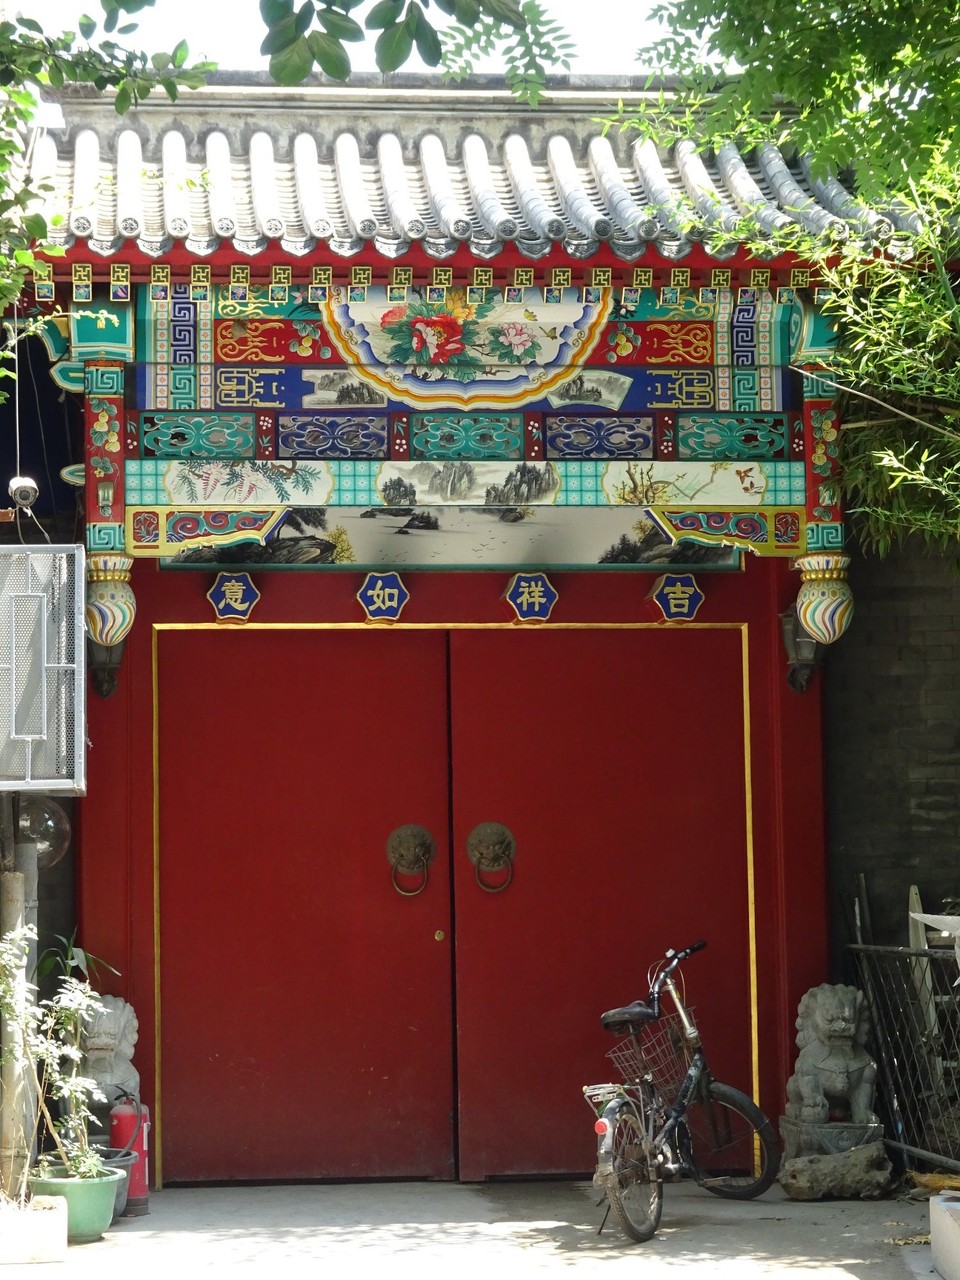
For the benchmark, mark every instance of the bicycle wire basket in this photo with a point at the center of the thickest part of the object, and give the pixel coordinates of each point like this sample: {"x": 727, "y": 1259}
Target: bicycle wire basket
{"x": 660, "y": 1053}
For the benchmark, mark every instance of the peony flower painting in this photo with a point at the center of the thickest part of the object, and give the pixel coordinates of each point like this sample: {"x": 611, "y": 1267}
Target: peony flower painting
{"x": 467, "y": 348}
{"x": 453, "y": 337}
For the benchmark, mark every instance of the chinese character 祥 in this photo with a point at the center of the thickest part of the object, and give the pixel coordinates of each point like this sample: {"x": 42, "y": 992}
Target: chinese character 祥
{"x": 532, "y": 596}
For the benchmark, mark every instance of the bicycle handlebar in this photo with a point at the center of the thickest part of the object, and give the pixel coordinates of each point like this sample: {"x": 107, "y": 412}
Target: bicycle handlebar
{"x": 673, "y": 959}
{"x": 639, "y": 1011}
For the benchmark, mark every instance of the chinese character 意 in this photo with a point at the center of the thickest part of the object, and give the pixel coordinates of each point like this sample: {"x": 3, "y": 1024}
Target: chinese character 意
{"x": 233, "y": 593}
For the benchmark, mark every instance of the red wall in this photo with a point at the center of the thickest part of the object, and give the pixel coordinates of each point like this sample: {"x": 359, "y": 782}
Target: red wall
{"x": 117, "y": 816}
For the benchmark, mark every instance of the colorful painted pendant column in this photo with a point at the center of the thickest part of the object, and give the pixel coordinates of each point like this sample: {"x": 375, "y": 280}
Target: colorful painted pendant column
{"x": 111, "y": 609}
{"x": 824, "y": 601}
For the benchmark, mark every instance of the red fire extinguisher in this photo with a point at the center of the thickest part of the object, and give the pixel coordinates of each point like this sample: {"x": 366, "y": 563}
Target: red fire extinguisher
{"x": 130, "y": 1131}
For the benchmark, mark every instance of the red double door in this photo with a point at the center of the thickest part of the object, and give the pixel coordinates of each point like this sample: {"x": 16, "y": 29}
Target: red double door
{"x": 317, "y": 1023}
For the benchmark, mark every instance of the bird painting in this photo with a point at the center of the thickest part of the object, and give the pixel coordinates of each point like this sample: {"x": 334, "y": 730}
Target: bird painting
{"x": 946, "y": 924}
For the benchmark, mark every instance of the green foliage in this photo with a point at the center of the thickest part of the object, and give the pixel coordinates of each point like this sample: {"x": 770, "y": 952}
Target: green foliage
{"x": 872, "y": 89}
{"x": 896, "y": 368}
{"x": 42, "y": 1041}
{"x": 528, "y": 50}
{"x": 874, "y": 84}
{"x": 529, "y": 41}
{"x": 66, "y": 956}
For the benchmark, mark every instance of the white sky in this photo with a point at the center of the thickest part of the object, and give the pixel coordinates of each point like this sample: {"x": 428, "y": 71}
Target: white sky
{"x": 607, "y": 32}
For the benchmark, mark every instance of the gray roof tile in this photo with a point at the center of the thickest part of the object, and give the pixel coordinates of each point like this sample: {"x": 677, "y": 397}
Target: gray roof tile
{"x": 338, "y": 169}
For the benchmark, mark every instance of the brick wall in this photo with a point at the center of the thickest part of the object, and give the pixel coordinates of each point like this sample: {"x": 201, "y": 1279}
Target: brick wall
{"x": 892, "y": 748}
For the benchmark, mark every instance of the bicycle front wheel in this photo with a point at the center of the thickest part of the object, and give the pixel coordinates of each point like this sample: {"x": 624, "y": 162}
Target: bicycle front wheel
{"x": 635, "y": 1191}
{"x": 731, "y": 1147}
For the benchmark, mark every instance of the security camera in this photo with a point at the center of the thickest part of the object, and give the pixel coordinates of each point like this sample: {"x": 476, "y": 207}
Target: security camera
{"x": 23, "y": 491}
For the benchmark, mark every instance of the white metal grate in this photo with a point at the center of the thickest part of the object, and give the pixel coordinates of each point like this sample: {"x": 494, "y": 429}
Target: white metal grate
{"x": 42, "y": 707}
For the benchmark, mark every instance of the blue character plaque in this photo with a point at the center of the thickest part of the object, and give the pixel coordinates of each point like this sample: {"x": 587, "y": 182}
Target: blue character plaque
{"x": 678, "y": 596}
{"x": 383, "y": 596}
{"x": 532, "y": 596}
{"x": 233, "y": 597}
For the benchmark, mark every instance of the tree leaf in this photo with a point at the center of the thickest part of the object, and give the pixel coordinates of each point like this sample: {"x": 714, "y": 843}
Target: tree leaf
{"x": 384, "y": 14}
{"x": 281, "y": 36}
{"x": 340, "y": 25}
{"x": 292, "y": 64}
{"x": 394, "y": 46}
{"x": 428, "y": 43}
{"x": 87, "y": 27}
{"x": 304, "y": 18}
{"x": 35, "y": 225}
{"x": 274, "y": 11}
{"x": 181, "y": 53}
{"x": 505, "y": 11}
{"x": 330, "y": 55}
{"x": 467, "y": 12}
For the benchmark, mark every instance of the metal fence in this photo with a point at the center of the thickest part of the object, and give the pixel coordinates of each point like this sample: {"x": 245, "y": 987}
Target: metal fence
{"x": 915, "y": 1011}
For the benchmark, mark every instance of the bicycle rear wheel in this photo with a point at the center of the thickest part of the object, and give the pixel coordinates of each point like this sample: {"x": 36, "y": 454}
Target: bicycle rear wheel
{"x": 635, "y": 1190}
{"x": 730, "y": 1145}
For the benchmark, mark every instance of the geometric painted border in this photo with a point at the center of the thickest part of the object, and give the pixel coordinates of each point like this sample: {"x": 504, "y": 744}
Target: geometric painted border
{"x": 105, "y": 537}
{"x": 826, "y": 537}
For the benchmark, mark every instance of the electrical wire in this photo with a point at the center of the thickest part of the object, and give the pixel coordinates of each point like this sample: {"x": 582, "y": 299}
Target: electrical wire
{"x": 16, "y": 405}
{"x": 54, "y": 513}
{"x": 16, "y": 424}
{"x": 16, "y": 385}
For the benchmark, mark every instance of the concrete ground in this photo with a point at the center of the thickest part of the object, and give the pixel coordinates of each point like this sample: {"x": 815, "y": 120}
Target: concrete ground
{"x": 502, "y": 1230}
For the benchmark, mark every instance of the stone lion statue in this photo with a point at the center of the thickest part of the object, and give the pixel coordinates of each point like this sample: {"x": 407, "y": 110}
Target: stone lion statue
{"x": 834, "y": 1076}
{"x": 108, "y": 1040}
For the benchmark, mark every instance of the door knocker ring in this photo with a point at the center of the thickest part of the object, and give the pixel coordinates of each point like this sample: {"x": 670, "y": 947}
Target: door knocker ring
{"x": 410, "y": 850}
{"x": 491, "y": 848}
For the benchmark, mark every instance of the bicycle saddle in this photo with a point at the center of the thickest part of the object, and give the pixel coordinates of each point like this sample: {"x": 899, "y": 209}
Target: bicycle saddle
{"x": 629, "y": 1018}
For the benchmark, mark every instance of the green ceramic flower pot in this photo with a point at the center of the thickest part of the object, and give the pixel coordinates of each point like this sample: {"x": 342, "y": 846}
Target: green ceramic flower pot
{"x": 90, "y": 1201}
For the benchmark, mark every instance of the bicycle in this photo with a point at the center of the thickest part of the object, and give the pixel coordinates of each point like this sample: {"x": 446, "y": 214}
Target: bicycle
{"x": 709, "y": 1131}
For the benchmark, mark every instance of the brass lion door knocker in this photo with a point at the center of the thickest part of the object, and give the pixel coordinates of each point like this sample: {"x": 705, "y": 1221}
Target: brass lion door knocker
{"x": 491, "y": 848}
{"x": 410, "y": 850}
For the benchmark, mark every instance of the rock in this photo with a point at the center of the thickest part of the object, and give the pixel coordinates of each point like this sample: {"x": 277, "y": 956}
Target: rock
{"x": 825, "y": 1139}
{"x": 862, "y": 1173}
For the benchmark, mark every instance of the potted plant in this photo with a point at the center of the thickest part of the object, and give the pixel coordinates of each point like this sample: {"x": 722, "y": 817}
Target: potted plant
{"x": 44, "y": 1060}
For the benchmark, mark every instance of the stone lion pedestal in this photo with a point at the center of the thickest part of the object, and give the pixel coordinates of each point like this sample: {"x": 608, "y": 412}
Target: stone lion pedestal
{"x": 832, "y": 1140}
